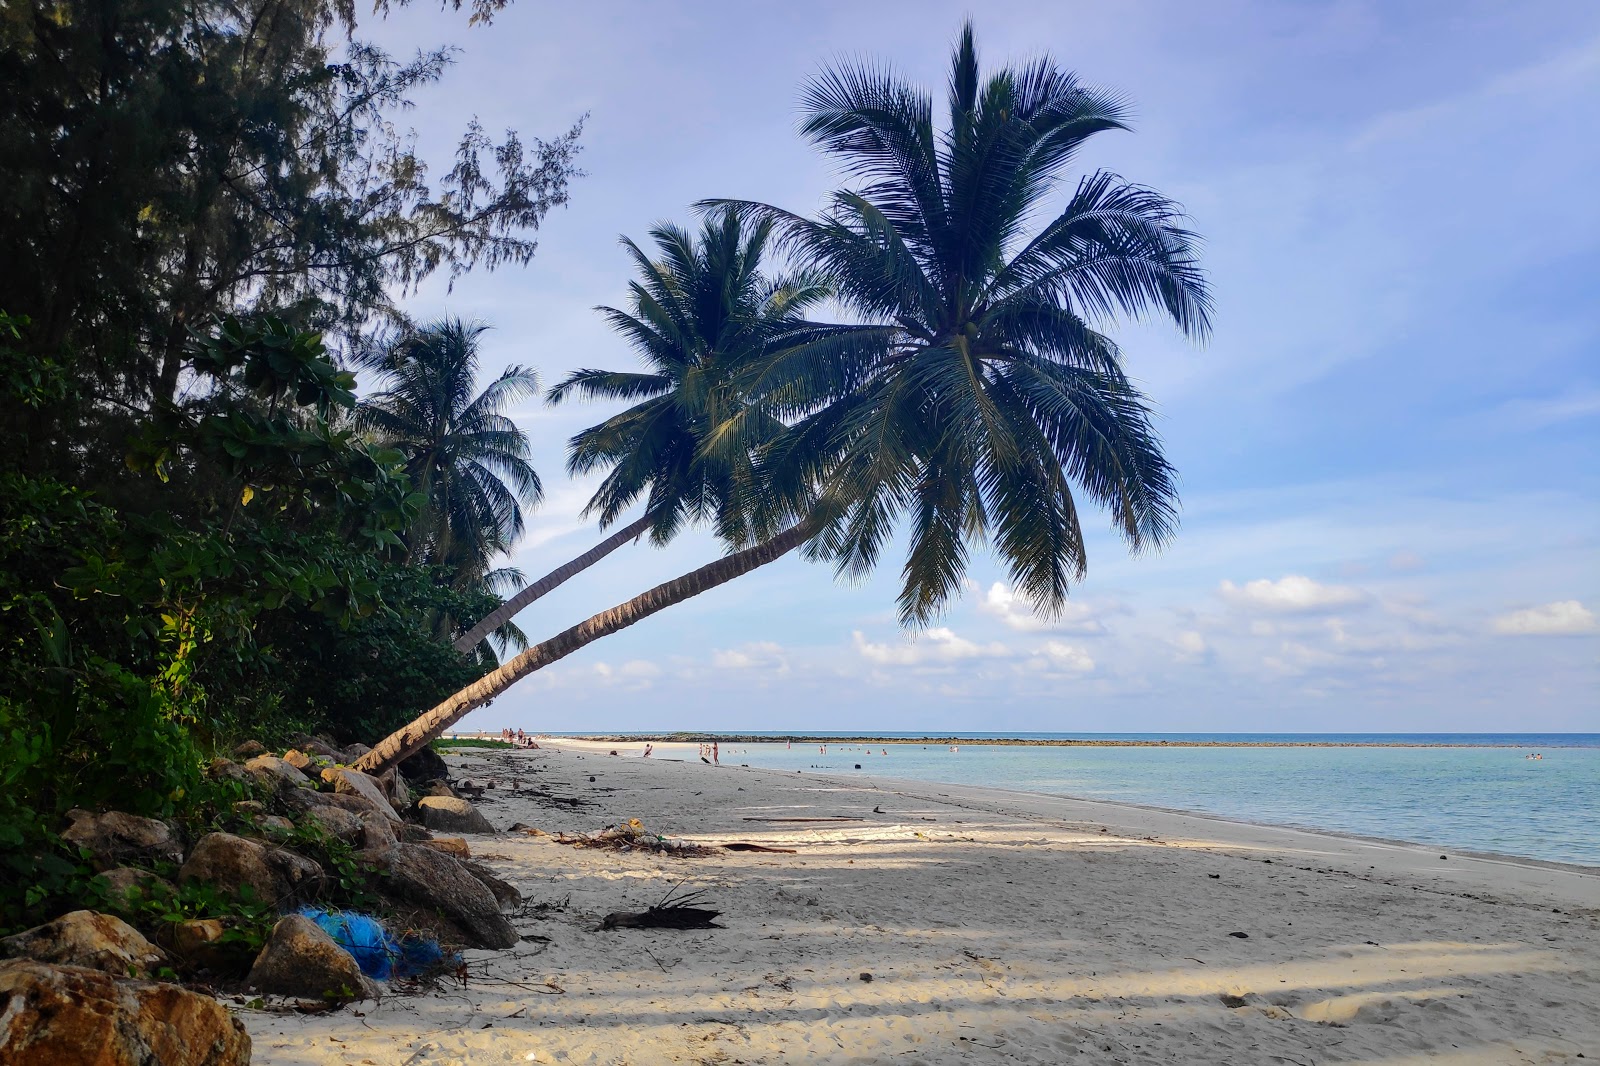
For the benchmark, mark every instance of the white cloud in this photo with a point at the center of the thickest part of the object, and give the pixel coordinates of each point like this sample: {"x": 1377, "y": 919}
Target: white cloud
{"x": 1291, "y": 594}
{"x": 1066, "y": 657}
{"x": 1562, "y": 618}
{"x": 764, "y": 656}
{"x": 1190, "y": 647}
{"x": 937, "y": 645}
{"x": 1002, "y": 602}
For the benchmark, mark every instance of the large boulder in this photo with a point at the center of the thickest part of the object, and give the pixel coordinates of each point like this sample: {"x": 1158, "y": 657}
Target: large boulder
{"x": 275, "y": 775}
{"x": 199, "y": 942}
{"x": 318, "y": 746}
{"x": 249, "y": 750}
{"x": 299, "y": 959}
{"x": 233, "y": 863}
{"x": 71, "y": 1015}
{"x": 505, "y": 894}
{"x": 84, "y": 938}
{"x": 228, "y": 770}
{"x": 427, "y": 877}
{"x": 447, "y": 814}
{"x": 116, "y": 839}
{"x": 426, "y": 765}
{"x": 355, "y": 783}
{"x": 303, "y": 800}
{"x": 377, "y": 832}
{"x": 352, "y": 752}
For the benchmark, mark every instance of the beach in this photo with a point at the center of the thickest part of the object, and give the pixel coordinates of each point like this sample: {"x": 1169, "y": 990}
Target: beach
{"x": 928, "y": 923}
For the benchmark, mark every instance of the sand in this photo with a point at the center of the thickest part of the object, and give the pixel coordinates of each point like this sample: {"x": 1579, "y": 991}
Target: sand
{"x": 950, "y": 924}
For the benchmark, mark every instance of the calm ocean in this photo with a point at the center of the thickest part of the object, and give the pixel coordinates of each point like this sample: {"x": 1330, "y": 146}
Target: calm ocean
{"x": 1475, "y": 798}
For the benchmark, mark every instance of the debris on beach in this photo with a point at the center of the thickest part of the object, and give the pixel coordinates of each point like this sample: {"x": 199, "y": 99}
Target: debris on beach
{"x": 673, "y": 912}
{"x": 629, "y": 836}
{"x": 741, "y": 846}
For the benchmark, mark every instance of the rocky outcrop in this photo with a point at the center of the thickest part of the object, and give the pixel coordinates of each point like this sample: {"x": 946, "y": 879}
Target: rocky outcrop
{"x": 275, "y": 775}
{"x": 318, "y": 746}
{"x": 377, "y": 832}
{"x": 395, "y": 790}
{"x": 228, "y": 770}
{"x": 71, "y": 1015}
{"x": 352, "y": 752}
{"x": 355, "y": 783}
{"x": 452, "y": 846}
{"x": 446, "y": 814}
{"x": 299, "y": 959}
{"x": 233, "y": 863}
{"x": 249, "y": 750}
{"x": 302, "y": 800}
{"x": 117, "y": 839}
{"x": 427, "y": 877}
{"x": 84, "y": 938}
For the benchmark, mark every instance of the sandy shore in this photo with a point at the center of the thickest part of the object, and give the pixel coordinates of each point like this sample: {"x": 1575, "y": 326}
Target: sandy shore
{"x": 996, "y": 927}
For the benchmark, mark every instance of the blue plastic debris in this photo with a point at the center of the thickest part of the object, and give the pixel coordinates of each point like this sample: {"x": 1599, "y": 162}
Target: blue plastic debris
{"x": 379, "y": 955}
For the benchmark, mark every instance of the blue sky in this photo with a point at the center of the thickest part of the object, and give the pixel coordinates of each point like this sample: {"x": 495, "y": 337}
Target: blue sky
{"x": 1388, "y": 449}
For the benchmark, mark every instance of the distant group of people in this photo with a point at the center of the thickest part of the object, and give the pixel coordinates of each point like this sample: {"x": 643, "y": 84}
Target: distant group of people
{"x": 711, "y": 753}
{"x": 518, "y": 738}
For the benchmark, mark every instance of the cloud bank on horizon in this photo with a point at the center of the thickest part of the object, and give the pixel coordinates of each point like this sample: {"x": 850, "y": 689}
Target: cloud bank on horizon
{"x": 1391, "y": 500}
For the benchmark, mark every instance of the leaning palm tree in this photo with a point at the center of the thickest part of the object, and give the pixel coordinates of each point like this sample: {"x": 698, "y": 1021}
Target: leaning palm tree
{"x": 462, "y": 453}
{"x": 702, "y": 316}
{"x": 980, "y": 389}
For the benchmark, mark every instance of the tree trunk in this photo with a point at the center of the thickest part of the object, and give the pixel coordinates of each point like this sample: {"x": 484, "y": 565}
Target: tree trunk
{"x": 412, "y": 738}
{"x": 513, "y": 607}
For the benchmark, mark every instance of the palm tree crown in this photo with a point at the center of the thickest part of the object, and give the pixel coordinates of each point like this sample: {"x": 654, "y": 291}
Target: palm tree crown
{"x": 701, "y": 315}
{"x": 462, "y": 452}
{"x": 982, "y": 388}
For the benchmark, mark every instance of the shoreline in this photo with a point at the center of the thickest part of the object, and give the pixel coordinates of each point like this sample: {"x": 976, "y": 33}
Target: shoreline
{"x": 915, "y": 922}
{"x": 1030, "y": 742}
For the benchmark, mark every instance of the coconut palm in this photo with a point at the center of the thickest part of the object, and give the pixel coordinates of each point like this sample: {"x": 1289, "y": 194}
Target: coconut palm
{"x": 462, "y": 452}
{"x": 701, "y": 315}
{"x": 980, "y": 388}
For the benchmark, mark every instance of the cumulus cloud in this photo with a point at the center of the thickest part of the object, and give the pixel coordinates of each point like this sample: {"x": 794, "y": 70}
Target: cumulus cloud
{"x": 1562, "y": 618}
{"x": 1293, "y": 594}
{"x": 938, "y": 645}
{"x": 1002, "y": 602}
{"x": 1190, "y": 647}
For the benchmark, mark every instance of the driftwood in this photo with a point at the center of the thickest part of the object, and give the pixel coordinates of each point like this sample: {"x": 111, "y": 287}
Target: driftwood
{"x": 673, "y": 912}
{"x": 631, "y": 836}
{"x": 759, "y": 847}
{"x": 839, "y": 819}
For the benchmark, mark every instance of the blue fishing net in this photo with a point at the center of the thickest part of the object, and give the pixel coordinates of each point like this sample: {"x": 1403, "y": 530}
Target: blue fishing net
{"x": 380, "y": 955}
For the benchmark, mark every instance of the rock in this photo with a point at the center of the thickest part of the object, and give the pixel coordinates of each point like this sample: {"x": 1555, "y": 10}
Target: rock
{"x": 228, "y": 770}
{"x": 450, "y": 815}
{"x": 318, "y": 746}
{"x": 352, "y": 752}
{"x": 505, "y": 894}
{"x": 250, "y": 809}
{"x": 304, "y": 800}
{"x": 336, "y": 822}
{"x": 70, "y": 1015}
{"x": 412, "y": 833}
{"x": 249, "y": 750}
{"x": 298, "y": 759}
{"x": 275, "y": 827}
{"x": 299, "y": 959}
{"x": 396, "y": 790}
{"x": 84, "y": 938}
{"x": 377, "y": 832}
{"x": 422, "y": 875}
{"x": 123, "y": 882}
{"x": 232, "y": 864}
{"x": 453, "y": 846}
{"x": 354, "y": 782}
{"x": 117, "y": 839}
{"x": 425, "y": 765}
{"x": 275, "y": 775}
{"x": 440, "y": 788}
{"x": 199, "y": 942}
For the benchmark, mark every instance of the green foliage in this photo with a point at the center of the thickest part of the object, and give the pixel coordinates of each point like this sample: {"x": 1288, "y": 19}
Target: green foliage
{"x": 446, "y": 745}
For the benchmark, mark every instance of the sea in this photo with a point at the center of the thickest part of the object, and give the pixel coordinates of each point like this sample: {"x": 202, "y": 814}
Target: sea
{"x": 1477, "y": 792}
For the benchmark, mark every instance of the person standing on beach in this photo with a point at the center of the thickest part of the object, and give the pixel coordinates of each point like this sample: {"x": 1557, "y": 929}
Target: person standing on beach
{"x": 716, "y": 753}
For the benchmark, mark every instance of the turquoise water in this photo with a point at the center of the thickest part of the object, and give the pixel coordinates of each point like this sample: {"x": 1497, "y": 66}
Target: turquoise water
{"x": 1473, "y": 798}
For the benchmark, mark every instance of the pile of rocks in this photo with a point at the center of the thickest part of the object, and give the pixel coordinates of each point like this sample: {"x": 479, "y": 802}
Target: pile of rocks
{"x": 81, "y": 983}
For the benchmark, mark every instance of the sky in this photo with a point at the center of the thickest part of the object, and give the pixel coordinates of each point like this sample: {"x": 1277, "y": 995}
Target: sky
{"x": 1388, "y": 448}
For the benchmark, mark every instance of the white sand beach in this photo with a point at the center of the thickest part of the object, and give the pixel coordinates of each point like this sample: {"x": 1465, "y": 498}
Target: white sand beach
{"x": 936, "y": 924}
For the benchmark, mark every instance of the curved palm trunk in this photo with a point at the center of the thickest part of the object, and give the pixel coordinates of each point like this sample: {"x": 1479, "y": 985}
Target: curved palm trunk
{"x": 512, "y": 607}
{"x": 412, "y": 738}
